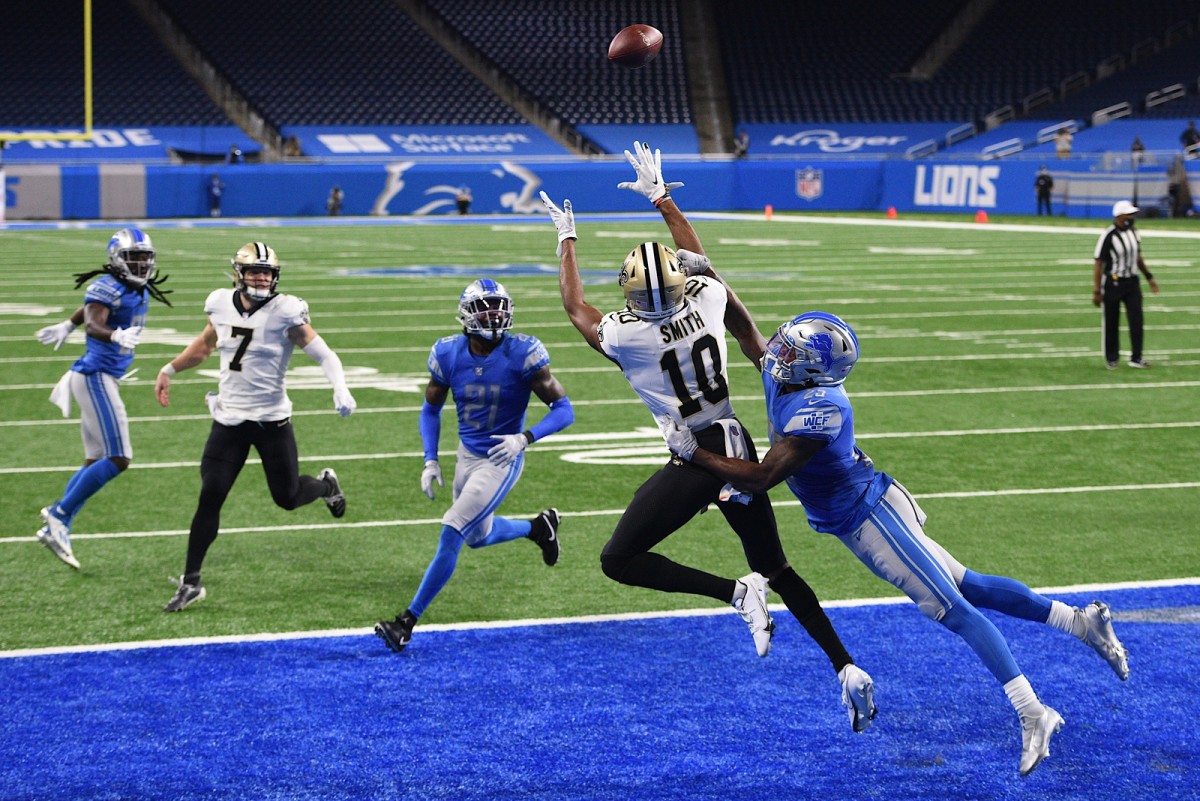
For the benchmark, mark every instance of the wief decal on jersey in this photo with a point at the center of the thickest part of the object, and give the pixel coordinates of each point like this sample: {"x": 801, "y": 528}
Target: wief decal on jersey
{"x": 255, "y": 351}
{"x": 676, "y": 366}
{"x": 824, "y": 422}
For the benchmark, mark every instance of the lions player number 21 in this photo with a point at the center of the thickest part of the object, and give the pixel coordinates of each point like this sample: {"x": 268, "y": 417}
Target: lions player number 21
{"x": 480, "y": 397}
{"x": 713, "y": 389}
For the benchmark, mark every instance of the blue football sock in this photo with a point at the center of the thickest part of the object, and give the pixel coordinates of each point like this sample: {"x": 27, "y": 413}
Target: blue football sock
{"x": 84, "y": 484}
{"x": 1005, "y": 595}
{"x": 440, "y": 569}
{"x": 504, "y": 530}
{"x": 984, "y": 638}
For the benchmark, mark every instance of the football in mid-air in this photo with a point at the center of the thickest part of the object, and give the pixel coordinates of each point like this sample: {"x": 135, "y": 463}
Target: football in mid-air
{"x": 635, "y": 46}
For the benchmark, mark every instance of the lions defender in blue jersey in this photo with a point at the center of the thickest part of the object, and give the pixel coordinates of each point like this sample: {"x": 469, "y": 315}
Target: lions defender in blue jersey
{"x": 811, "y": 426}
{"x": 491, "y": 374}
{"x": 113, "y": 314}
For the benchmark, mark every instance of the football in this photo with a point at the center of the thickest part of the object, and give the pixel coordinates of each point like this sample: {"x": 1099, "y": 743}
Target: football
{"x": 635, "y": 46}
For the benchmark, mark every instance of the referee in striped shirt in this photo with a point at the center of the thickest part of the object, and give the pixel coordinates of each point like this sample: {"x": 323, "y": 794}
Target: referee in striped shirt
{"x": 1118, "y": 260}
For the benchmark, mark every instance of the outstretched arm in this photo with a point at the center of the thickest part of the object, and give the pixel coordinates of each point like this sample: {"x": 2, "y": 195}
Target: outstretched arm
{"x": 193, "y": 355}
{"x": 583, "y": 315}
{"x": 785, "y": 457}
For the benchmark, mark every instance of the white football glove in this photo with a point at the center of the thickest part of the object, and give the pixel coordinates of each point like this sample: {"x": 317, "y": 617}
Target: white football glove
{"x": 679, "y": 439}
{"x": 507, "y": 448}
{"x": 127, "y": 338}
{"x": 649, "y": 173}
{"x": 344, "y": 402}
{"x": 431, "y": 473}
{"x": 692, "y": 263}
{"x": 564, "y": 220}
{"x": 56, "y": 334}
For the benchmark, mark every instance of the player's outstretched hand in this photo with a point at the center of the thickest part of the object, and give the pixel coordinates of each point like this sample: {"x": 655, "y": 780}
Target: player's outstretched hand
{"x": 507, "y": 448}
{"x": 648, "y": 166}
{"x": 55, "y": 334}
{"x": 431, "y": 473}
{"x": 564, "y": 220}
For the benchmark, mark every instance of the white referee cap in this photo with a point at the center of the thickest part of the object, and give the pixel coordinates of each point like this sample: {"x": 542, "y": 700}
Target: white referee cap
{"x": 1122, "y": 207}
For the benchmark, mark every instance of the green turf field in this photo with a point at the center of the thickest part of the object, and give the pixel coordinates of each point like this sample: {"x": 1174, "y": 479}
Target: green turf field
{"x": 982, "y": 388}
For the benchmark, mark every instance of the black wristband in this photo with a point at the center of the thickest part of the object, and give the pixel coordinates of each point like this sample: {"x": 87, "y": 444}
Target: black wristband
{"x": 529, "y": 436}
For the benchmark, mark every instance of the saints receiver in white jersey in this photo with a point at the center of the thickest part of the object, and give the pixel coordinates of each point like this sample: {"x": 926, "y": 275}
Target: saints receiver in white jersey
{"x": 669, "y": 341}
{"x": 811, "y": 425}
{"x": 255, "y": 329}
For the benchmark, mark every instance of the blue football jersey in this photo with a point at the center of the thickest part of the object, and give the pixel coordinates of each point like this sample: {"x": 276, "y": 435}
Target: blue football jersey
{"x": 490, "y": 392}
{"x": 839, "y": 486}
{"x": 126, "y": 307}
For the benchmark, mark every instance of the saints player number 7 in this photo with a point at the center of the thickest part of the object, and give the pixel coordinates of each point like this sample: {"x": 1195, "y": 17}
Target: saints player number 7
{"x": 714, "y": 390}
{"x": 246, "y": 334}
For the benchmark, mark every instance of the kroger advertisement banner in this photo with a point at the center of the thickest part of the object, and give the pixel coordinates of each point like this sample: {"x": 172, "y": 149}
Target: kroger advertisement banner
{"x": 852, "y": 139}
{"x": 496, "y": 141}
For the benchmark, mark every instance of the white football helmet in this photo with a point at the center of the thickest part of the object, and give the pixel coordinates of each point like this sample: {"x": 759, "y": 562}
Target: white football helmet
{"x": 485, "y": 309}
{"x": 131, "y": 256}
{"x": 255, "y": 255}
{"x": 813, "y": 349}
{"x": 653, "y": 281}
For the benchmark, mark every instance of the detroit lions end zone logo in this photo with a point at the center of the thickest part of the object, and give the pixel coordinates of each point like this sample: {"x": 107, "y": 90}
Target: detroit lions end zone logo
{"x": 810, "y": 183}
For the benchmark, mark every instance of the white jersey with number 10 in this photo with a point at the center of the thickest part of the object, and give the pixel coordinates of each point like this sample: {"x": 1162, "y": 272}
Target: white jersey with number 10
{"x": 677, "y": 366}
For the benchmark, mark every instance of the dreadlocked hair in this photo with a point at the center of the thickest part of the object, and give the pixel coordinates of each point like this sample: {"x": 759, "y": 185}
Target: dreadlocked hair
{"x": 152, "y": 286}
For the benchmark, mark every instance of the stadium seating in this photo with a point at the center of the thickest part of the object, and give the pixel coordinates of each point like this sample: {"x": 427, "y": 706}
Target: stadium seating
{"x": 358, "y": 62}
{"x": 581, "y": 86}
{"x": 136, "y": 81}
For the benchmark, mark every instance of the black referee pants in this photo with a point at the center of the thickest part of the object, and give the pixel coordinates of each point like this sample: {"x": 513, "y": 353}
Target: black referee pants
{"x": 225, "y": 454}
{"x": 1129, "y": 292}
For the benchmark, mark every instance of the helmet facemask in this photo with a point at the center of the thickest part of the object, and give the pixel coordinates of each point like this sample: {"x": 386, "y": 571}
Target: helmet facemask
{"x": 653, "y": 281}
{"x": 485, "y": 309}
{"x": 253, "y": 257}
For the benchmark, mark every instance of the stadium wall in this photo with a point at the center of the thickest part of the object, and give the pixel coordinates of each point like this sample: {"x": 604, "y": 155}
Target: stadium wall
{"x": 409, "y": 187}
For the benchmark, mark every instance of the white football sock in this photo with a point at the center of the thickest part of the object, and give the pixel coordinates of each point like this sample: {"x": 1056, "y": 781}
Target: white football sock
{"x": 1066, "y": 619}
{"x": 1023, "y": 698}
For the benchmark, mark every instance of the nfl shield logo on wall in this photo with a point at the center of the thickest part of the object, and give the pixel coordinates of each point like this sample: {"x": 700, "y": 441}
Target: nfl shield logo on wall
{"x": 810, "y": 183}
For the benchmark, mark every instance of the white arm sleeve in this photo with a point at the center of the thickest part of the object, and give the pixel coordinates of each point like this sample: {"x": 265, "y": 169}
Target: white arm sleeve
{"x": 323, "y": 355}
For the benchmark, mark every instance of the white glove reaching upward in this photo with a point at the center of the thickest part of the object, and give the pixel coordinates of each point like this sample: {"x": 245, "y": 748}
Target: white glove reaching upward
{"x": 649, "y": 174}
{"x": 56, "y": 334}
{"x": 431, "y": 473}
{"x": 507, "y": 448}
{"x": 679, "y": 439}
{"x": 127, "y": 338}
{"x": 691, "y": 262}
{"x": 344, "y": 402}
{"x": 564, "y": 220}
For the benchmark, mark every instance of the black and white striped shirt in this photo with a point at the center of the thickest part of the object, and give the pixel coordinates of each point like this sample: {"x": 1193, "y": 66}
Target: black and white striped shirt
{"x": 1118, "y": 248}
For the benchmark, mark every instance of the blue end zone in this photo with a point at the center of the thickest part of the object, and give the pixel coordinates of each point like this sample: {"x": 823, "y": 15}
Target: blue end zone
{"x": 666, "y": 708}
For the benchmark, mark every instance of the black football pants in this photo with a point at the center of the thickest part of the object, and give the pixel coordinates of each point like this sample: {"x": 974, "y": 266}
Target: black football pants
{"x": 1129, "y": 292}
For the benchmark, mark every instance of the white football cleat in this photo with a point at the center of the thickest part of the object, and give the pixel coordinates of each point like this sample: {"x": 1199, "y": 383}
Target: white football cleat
{"x": 1103, "y": 640}
{"x": 56, "y": 535}
{"x": 858, "y": 696}
{"x": 1035, "y": 738}
{"x": 753, "y": 609}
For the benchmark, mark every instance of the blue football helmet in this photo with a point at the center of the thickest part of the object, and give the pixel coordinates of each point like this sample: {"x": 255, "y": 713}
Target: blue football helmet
{"x": 485, "y": 309}
{"x": 813, "y": 349}
{"x": 131, "y": 256}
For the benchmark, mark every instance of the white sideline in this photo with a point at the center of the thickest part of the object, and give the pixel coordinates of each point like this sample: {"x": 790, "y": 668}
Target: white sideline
{"x": 549, "y": 621}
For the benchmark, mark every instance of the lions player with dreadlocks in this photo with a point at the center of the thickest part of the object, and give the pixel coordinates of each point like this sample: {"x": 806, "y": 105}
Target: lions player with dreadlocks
{"x": 811, "y": 426}
{"x": 669, "y": 342}
{"x": 255, "y": 328}
{"x": 113, "y": 315}
{"x": 491, "y": 374}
